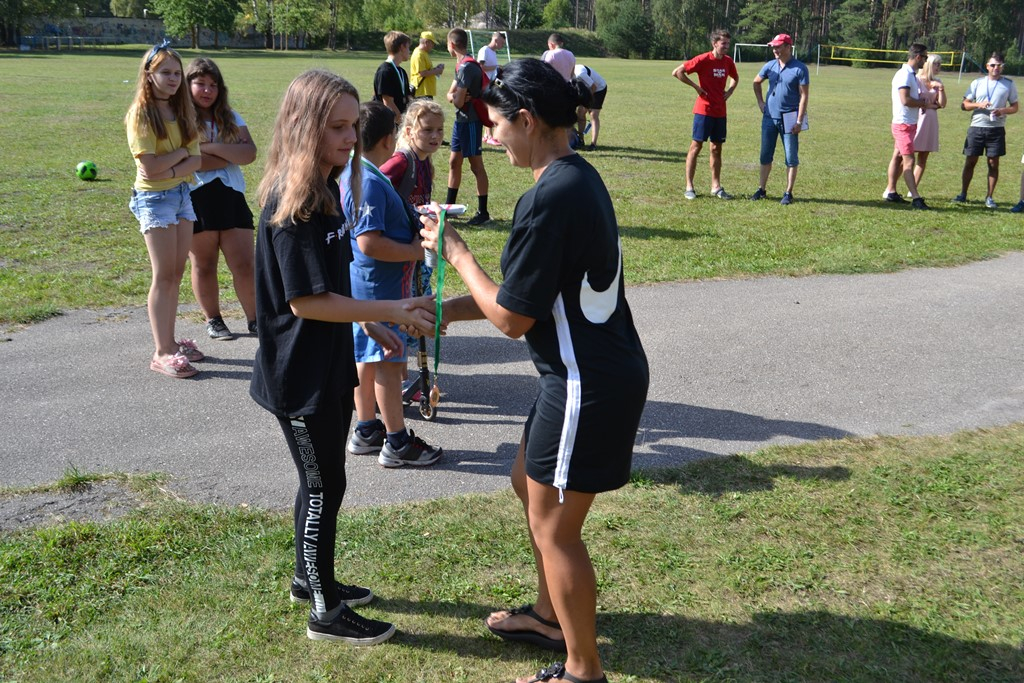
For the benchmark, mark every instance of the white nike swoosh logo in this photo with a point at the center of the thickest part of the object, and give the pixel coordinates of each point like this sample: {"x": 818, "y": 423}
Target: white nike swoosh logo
{"x": 597, "y": 306}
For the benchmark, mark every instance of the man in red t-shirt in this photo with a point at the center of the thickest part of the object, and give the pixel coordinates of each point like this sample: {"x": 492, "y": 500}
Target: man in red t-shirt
{"x": 714, "y": 69}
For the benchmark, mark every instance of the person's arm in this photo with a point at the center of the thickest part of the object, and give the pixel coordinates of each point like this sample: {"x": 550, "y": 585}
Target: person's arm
{"x": 376, "y": 246}
{"x": 242, "y": 152}
{"x": 681, "y": 75}
{"x": 389, "y": 102}
{"x": 912, "y": 102}
{"x": 483, "y": 291}
{"x": 940, "y": 94}
{"x": 758, "y": 93}
{"x": 1003, "y": 111}
{"x": 458, "y": 96}
{"x": 417, "y": 312}
{"x": 158, "y": 166}
{"x": 801, "y": 110}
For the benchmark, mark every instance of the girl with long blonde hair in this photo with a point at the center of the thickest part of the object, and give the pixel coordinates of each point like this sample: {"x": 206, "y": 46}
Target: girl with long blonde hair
{"x": 926, "y": 140}
{"x": 164, "y": 140}
{"x": 304, "y": 371}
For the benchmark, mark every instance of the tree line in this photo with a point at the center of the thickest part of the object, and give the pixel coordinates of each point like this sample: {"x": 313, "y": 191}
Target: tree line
{"x": 627, "y": 28}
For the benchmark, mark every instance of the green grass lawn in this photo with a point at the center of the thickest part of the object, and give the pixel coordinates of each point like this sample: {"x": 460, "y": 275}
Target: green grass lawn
{"x": 857, "y": 560}
{"x": 69, "y": 244}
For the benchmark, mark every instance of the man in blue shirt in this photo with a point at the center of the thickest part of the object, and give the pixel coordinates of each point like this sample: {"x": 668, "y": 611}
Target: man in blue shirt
{"x": 785, "y": 111}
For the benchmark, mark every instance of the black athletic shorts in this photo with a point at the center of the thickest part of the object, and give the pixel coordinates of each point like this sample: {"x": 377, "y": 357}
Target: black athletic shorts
{"x": 218, "y": 207}
{"x": 988, "y": 141}
{"x": 599, "y": 99}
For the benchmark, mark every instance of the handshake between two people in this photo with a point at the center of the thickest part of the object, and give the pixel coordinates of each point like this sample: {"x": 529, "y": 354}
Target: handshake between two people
{"x": 453, "y": 247}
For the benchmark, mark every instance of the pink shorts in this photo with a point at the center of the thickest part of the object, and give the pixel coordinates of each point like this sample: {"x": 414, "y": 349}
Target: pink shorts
{"x": 904, "y": 134}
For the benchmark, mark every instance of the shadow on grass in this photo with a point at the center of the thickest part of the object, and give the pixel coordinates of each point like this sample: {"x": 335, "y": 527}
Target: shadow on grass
{"x": 735, "y": 474}
{"x": 772, "y": 646}
{"x": 639, "y": 153}
{"x": 642, "y": 232}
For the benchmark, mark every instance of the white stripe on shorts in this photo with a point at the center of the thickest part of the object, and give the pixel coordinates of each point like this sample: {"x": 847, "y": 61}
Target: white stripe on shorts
{"x": 572, "y": 397}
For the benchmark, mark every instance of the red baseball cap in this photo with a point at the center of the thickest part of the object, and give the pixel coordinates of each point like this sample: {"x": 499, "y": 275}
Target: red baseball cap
{"x": 781, "y": 39}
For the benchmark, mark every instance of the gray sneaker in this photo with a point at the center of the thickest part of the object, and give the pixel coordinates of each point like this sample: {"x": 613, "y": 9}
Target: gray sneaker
{"x": 415, "y": 452}
{"x": 990, "y": 203}
{"x": 367, "y": 445}
{"x": 690, "y": 194}
{"x": 722, "y": 194}
{"x": 217, "y": 330}
{"x": 959, "y": 199}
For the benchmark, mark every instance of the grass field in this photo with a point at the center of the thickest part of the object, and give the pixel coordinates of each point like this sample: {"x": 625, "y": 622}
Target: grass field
{"x": 878, "y": 560}
{"x": 69, "y": 244}
{"x": 857, "y": 560}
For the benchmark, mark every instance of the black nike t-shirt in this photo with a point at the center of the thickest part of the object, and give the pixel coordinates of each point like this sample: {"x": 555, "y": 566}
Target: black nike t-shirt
{"x": 562, "y": 266}
{"x": 301, "y": 364}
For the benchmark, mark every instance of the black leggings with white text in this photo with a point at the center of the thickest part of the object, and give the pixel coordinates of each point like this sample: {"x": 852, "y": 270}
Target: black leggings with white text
{"x": 317, "y": 445}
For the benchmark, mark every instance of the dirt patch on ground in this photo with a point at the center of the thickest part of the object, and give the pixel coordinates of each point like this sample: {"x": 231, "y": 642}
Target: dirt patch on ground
{"x": 93, "y": 502}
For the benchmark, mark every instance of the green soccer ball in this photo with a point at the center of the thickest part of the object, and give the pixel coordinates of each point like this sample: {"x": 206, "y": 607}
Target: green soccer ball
{"x": 86, "y": 170}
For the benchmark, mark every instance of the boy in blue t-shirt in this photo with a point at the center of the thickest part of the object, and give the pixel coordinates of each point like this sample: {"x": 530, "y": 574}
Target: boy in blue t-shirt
{"x": 385, "y": 248}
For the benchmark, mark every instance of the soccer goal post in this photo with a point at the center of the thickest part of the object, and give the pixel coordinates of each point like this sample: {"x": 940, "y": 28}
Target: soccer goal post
{"x": 484, "y": 37}
{"x": 756, "y": 51}
{"x": 851, "y": 54}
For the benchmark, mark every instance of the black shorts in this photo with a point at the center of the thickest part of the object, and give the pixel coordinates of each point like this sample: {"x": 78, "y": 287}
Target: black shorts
{"x": 988, "y": 141}
{"x": 218, "y": 207}
{"x": 601, "y": 429}
{"x": 599, "y": 99}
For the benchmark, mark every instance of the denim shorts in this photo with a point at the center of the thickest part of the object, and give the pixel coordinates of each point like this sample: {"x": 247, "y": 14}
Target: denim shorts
{"x": 771, "y": 129}
{"x": 162, "y": 209}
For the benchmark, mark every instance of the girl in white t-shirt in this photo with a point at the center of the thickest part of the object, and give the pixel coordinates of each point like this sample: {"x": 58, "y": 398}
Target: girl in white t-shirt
{"x": 223, "y": 218}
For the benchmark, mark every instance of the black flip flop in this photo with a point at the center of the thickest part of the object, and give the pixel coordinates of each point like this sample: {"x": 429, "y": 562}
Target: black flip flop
{"x": 531, "y": 637}
{"x": 557, "y": 672}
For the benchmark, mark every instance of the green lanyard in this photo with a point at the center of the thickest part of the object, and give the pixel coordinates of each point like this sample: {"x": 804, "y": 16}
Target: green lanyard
{"x": 435, "y": 392}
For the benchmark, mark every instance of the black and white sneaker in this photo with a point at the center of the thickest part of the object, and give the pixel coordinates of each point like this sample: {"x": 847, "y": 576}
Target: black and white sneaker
{"x": 416, "y": 452}
{"x": 217, "y": 330}
{"x": 252, "y": 327}
{"x": 479, "y": 218}
{"x": 349, "y": 627}
{"x": 352, "y": 596}
{"x": 367, "y": 445}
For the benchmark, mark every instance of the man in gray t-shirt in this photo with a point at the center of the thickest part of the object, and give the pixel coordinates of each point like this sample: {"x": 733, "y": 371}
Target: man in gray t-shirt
{"x": 989, "y": 99}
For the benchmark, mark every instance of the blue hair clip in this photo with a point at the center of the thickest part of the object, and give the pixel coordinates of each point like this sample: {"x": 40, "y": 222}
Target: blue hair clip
{"x": 155, "y": 51}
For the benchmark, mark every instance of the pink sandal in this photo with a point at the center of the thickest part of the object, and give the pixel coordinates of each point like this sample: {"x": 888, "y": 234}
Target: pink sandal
{"x": 188, "y": 348}
{"x": 176, "y": 366}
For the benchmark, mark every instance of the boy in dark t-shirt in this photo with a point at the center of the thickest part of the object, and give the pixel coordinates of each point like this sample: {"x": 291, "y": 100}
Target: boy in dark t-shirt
{"x": 467, "y": 131}
{"x": 391, "y": 82}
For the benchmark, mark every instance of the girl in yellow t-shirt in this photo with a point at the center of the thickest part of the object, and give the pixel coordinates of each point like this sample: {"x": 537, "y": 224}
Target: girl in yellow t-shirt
{"x": 164, "y": 139}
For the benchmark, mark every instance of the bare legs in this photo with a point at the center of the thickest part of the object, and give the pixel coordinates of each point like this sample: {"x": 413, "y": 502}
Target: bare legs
{"x": 919, "y": 167}
{"x": 168, "y": 250}
{"x": 968, "y": 174}
{"x": 716, "y": 164}
{"x": 902, "y": 164}
{"x": 237, "y": 245}
{"x": 380, "y": 384}
{"x": 566, "y": 585}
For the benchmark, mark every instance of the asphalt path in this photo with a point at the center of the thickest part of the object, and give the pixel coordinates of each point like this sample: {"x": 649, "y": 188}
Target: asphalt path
{"x": 736, "y": 366}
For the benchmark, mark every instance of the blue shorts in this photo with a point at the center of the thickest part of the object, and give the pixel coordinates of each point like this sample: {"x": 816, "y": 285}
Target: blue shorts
{"x": 708, "y": 128}
{"x": 367, "y": 350}
{"x": 771, "y": 129}
{"x": 162, "y": 209}
{"x": 467, "y": 138}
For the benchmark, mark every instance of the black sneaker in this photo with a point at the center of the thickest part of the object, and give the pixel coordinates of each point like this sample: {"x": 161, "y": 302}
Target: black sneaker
{"x": 252, "y": 328}
{"x": 787, "y": 198}
{"x": 367, "y": 445}
{"x": 895, "y": 198}
{"x": 350, "y": 595}
{"x": 760, "y": 194}
{"x": 918, "y": 203}
{"x": 349, "y": 627}
{"x": 217, "y": 330}
{"x": 416, "y": 452}
{"x": 480, "y": 218}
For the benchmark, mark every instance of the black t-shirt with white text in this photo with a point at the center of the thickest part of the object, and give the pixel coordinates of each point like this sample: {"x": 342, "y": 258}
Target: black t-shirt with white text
{"x": 301, "y": 364}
